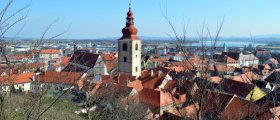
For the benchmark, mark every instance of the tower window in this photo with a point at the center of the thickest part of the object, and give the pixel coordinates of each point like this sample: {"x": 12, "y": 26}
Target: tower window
{"x": 136, "y": 46}
{"x": 124, "y": 59}
{"x": 124, "y": 47}
{"x": 136, "y": 69}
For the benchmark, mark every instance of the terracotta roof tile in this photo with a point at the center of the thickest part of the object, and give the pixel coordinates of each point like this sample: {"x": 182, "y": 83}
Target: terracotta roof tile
{"x": 137, "y": 85}
{"x": 237, "y": 109}
{"x": 50, "y": 51}
{"x": 216, "y": 79}
{"x": 65, "y": 61}
{"x": 16, "y": 78}
{"x": 59, "y": 77}
{"x": 154, "y": 81}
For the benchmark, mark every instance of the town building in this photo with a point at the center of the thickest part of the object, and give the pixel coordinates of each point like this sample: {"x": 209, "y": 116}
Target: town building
{"x": 129, "y": 51}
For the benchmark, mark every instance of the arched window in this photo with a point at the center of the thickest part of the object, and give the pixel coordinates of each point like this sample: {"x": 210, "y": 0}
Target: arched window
{"x": 136, "y": 46}
{"x": 124, "y": 59}
{"x": 124, "y": 47}
{"x": 136, "y": 69}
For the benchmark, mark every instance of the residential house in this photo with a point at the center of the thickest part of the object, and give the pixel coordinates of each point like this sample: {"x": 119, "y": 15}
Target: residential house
{"x": 248, "y": 60}
{"x": 21, "y": 82}
{"x": 48, "y": 54}
{"x": 86, "y": 62}
{"x": 55, "y": 82}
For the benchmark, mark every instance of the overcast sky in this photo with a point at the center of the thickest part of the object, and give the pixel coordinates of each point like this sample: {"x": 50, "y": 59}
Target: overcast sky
{"x": 106, "y": 18}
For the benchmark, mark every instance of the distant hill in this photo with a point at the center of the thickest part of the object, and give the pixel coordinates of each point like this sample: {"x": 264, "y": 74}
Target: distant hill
{"x": 268, "y": 36}
{"x": 257, "y": 38}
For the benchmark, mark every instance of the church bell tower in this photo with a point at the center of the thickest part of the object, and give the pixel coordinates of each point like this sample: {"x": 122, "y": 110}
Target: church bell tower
{"x": 129, "y": 48}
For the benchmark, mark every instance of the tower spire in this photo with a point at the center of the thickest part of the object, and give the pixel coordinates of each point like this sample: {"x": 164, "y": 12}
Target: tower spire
{"x": 130, "y": 31}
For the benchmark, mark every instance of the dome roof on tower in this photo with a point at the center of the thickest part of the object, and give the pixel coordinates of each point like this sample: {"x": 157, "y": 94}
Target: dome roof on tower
{"x": 130, "y": 31}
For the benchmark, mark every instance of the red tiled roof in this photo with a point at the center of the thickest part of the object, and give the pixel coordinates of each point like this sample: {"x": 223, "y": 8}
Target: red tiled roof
{"x": 237, "y": 109}
{"x": 49, "y": 51}
{"x": 12, "y": 57}
{"x": 123, "y": 79}
{"x": 154, "y": 81}
{"x": 247, "y": 77}
{"x": 223, "y": 68}
{"x": 65, "y": 61}
{"x": 190, "y": 110}
{"x": 108, "y": 57}
{"x": 16, "y": 78}
{"x": 137, "y": 85}
{"x": 215, "y": 102}
{"x": 109, "y": 90}
{"x": 234, "y": 87}
{"x": 271, "y": 114}
{"x": 216, "y": 79}
{"x": 170, "y": 85}
{"x": 59, "y": 77}
{"x": 150, "y": 97}
{"x": 110, "y": 65}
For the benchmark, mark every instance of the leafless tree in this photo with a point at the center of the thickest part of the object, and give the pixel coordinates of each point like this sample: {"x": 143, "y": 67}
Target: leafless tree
{"x": 35, "y": 108}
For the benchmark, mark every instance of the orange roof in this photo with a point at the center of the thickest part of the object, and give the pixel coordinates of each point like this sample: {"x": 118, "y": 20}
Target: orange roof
{"x": 108, "y": 57}
{"x": 59, "y": 77}
{"x": 170, "y": 85}
{"x": 137, "y": 85}
{"x": 65, "y": 61}
{"x": 224, "y": 68}
{"x": 16, "y": 56}
{"x": 159, "y": 60}
{"x": 17, "y": 78}
{"x": 248, "y": 77}
{"x": 49, "y": 51}
{"x": 237, "y": 109}
{"x": 154, "y": 81}
{"x": 195, "y": 61}
{"x": 55, "y": 65}
{"x": 177, "y": 69}
{"x": 150, "y": 97}
{"x": 158, "y": 98}
{"x": 190, "y": 110}
{"x": 216, "y": 79}
{"x": 266, "y": 66}
{"x": 110, "y": 65}
{"x": 227, "y": 59}
{"x": 186, "y": 65}
{"x": 123, "y": 79}
{"x": 110, "y": 89}
{"x": 25, "y": 77}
